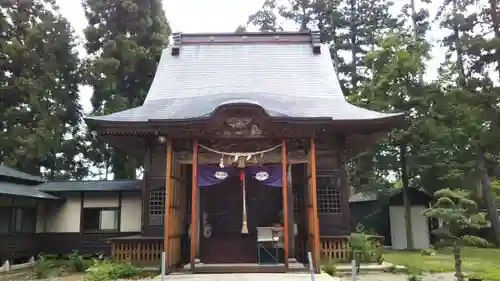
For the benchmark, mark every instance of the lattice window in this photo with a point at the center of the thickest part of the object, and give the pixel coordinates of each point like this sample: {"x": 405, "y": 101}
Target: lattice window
{"x": 328, "y": 195}
{"x": 298, "y": 199}
{"x": 157, "y": 202}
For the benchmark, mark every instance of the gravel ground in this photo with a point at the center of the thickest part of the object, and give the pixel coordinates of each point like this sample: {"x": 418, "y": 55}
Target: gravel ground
{"x": 260, "y": 277}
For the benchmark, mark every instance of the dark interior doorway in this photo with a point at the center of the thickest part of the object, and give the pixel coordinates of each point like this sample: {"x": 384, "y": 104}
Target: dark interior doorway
{"x": 222, "y": 207}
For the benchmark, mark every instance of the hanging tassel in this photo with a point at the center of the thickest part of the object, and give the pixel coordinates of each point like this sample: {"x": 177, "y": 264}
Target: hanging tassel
{"x": 244, "y": 227}
{"x": 221, "y": 164}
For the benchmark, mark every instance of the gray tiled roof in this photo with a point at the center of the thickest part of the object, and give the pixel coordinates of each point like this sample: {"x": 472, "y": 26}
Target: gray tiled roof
{"x": 24, "y": 190}
{"x": 286, "y": 80}
{"x": 90, "y": 185}
{"x": 12, "y": 173}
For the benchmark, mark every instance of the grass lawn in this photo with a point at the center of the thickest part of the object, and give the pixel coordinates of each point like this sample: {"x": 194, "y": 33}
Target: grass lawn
{"x": 474, "y": 260}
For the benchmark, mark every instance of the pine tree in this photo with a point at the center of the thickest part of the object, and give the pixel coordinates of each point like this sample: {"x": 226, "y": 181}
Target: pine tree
{"x": 457, "y": 212}
{"x": 125, "y": 39}
{"x": 39, "y": 109}
{"x": 469, "y": 58}
{"x": 267, "y": 17}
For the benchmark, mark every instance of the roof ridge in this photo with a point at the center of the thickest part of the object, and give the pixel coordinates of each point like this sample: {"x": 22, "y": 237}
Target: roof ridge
{"x": 311, "y": 37}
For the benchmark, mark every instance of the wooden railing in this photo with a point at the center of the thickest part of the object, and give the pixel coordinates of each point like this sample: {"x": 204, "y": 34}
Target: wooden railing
{"x": 141, "y": 251}
{"x": 337, "y": 247}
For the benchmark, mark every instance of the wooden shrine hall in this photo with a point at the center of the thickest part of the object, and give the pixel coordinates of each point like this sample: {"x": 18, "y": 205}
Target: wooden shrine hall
{"x": 245, "y": 139}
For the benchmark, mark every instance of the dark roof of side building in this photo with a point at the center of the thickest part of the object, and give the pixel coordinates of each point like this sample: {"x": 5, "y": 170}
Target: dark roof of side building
{"x": 90, "y": 185}
{"x": 31, "y": 191}
{"x": 15, "y": 174}
{"x": 375, "y": 195}
{"x": 12, "y": 183}
{"x": 287, "y": 74}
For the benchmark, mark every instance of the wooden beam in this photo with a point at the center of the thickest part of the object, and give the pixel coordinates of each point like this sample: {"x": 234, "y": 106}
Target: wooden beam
{"x": 168, "y": 197}
{"x": 316, "y": 247}
{"x": 273, "y": 157}
{"x": 285, "y": 201}
{"x": 194, "y": 214}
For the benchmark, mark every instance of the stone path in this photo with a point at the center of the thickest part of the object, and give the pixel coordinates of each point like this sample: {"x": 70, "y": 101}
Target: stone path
{"x": 246, "y": 277}
{"x": 300, "y": 277}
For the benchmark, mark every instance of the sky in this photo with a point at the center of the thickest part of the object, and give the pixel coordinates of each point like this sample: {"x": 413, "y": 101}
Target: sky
{"x": 194, "y": 16}
{"x": 183, "y": 15}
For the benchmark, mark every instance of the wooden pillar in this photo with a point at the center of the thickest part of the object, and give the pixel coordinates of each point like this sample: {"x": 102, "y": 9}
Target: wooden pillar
{"x": 285, "y": 201}
{"x": 291, "y": 218}
{"x": 314, "y": 212}
{"x": 194, "y": 199}
{"x": 145, "y": 189}
{"x": 168, "y": 200}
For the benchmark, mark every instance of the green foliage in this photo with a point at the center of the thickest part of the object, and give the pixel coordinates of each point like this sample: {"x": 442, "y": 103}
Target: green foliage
{"x": 76, "y": 262}
{"x": 457, "y": 212}
{"x": 414, "y": 277}
{"x": 107, "y": 270}
{"x": 495, "y": 184}
{"x": 428, "y": 252}
{"x": 329, "y": 267}
{"x": 125, "y": 40}
{"x": 43, "y": 267}
{"x": 39, "y": 102}
{"x": 493, "y": 274}
{"x": 363, "y": 247}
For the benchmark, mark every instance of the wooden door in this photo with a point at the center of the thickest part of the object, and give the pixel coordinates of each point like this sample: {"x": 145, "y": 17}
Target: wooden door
{"x": 221, "y": 240}
{"x": 221, "y": 211}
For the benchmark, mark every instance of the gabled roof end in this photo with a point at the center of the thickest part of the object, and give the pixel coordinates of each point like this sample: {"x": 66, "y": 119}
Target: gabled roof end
{"x": 316, "y": 42}
{"x": 176, "y": 47}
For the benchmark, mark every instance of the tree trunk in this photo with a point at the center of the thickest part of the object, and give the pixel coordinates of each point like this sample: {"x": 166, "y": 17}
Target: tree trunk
{"x": 495, "y": 18}
{"x": 458, "y": 46}
{"x": 488, "y": 194}
{"x": 406, "y": 197}
{"x": 353, "y": 30}
{"x": 458, "y": 262}
{"x": 415, "y": 37}
{"x": 335, "y": 55}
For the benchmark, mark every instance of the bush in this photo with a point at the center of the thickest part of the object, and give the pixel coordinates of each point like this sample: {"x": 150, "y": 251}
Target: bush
{"x": 428, "y": 252}
{"x": 363, "y": 248}
{"x": 43, "y": 267}
{"x": 77, "y": 262}
{"x": 106, "y": 270}
{"x": 123, "y": 270}
{"x": 493, "y": 274}
{"x": 414, "y": 277}
{"x": 329, "y": 267}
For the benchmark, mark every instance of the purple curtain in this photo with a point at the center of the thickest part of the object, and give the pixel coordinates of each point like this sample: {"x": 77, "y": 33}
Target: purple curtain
{"x": 210, "y": 175}
{"x": 267, "y": 175}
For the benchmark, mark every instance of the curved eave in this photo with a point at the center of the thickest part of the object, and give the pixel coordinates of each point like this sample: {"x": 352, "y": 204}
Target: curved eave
{"x": 386, "y": 123}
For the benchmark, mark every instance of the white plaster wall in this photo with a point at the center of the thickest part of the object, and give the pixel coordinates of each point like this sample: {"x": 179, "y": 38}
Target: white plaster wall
{"x": 420, "y": 225}
{"x": 63, "y": 216}
{"x": 101, "y": 199}
{"x": 131, "y": 212}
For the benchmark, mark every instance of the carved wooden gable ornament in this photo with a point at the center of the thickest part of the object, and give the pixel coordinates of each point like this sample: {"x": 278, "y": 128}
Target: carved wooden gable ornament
{"x": 241, "y": 127}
